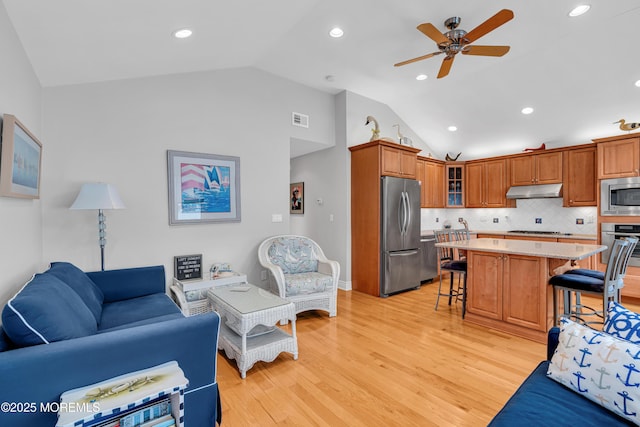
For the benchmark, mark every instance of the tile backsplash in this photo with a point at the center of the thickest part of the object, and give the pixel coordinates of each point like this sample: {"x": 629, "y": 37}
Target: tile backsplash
{"x": 530, "y": 214}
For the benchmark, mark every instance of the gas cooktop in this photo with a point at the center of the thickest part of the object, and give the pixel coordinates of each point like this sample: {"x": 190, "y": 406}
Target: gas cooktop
{"x": 558, "y": 233}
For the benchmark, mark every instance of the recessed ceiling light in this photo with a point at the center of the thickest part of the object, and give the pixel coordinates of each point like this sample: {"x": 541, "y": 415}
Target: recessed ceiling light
{"x": 527, "y": 110}
{"x": 637, "y": 83}
{"x": 182, "y": 33}
{"x": 579, "y": 10}
{"x": 421, "y": 77}
{"x": 336, "y": 32}
{"x": 452, "y": 128}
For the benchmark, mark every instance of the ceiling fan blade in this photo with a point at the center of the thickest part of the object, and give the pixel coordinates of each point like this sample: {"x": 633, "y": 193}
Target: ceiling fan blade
{"x": 505, "y": 15}
{"x": 433, "y": 33}
{"x": 485, "y": 50}
{"x": 419, "y": 58}
{"x": 445, "y": 67}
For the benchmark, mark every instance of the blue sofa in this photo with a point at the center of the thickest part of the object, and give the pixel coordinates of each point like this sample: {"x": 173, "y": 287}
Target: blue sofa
{"x": 541, "y": 401}
{"x": 67, "y": 329}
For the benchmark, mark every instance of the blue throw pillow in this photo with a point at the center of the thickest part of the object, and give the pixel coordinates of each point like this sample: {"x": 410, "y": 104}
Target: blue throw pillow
{"x": 77, "y": 280}
{"x": 622, "y": 323}
{"x": 44, "y": 311}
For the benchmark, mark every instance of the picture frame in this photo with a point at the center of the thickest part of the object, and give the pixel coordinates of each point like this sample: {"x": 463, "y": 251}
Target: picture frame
{"x": 296, "y": 198}
{"x": 203, "y": 188}
{"x": 20, "y": 160}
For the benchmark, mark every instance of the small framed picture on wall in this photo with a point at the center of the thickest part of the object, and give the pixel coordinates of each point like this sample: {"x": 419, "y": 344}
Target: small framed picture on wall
{"x": 296, "y": 198}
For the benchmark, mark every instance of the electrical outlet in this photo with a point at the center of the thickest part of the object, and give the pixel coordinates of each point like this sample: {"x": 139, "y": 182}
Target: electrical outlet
{"x": 538, "y": 220}
{"x": 437, "y": 219}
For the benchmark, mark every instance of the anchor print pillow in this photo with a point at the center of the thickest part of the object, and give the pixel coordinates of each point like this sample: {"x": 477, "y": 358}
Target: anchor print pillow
{"x": 601, "y": 367}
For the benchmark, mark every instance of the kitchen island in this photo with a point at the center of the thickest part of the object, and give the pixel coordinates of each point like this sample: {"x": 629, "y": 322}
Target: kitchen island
{"x": 507, "y": 282}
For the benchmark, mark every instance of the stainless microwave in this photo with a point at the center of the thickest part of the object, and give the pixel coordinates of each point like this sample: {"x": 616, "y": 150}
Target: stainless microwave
{"x": 620, "y": 197}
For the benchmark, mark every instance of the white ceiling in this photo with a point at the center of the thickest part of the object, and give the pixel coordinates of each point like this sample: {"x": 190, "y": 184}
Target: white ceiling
{"x": 578, "y": 73}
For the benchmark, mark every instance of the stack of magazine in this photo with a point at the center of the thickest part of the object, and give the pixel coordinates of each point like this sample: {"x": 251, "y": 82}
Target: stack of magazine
{"x": 154, "y": 414}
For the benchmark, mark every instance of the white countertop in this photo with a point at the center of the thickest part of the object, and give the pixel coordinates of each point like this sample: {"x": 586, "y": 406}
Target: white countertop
{"x": 572, "y": 251}
{"x": 573, "y": 236}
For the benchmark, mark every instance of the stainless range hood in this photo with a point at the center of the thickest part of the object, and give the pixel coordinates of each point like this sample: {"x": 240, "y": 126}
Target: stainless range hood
{"x": 542, "y": 191}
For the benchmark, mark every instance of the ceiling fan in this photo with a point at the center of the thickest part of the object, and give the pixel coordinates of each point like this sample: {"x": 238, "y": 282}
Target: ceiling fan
{"x": 457, "y": 41}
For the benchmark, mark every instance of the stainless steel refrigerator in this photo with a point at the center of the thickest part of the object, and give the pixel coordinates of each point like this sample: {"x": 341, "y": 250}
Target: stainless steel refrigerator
{"x": 400, "y": 242}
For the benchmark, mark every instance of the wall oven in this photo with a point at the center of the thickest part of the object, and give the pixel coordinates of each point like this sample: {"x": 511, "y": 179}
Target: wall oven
{"x": 620, "y": 197}
{"x": 611, "y": 231}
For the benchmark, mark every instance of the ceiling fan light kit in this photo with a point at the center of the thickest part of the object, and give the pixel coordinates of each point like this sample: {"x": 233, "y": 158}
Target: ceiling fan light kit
{"x": 457, "y": 40}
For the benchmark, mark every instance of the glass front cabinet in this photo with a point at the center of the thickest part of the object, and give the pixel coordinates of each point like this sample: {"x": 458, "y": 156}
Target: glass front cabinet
{"x": 455, "y": 185}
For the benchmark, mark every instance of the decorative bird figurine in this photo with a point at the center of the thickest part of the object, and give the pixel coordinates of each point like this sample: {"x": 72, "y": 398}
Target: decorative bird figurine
{"x": 448, "y": 158}
{"x": 400, "y": 136}
{"x": 403, "y": 140}
{"x": 542, "y": 147}
{"x": 376, "y": 129}
{"x": 627, "y": 126}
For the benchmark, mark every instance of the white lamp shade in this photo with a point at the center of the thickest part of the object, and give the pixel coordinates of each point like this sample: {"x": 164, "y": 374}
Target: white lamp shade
{"x": 98, "y": 195}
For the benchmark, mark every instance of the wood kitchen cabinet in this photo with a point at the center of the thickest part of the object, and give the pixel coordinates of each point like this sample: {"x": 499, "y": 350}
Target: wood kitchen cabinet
{"x": 580, "y": 186}
{"x": 369, "y": 162}
{"x": 396, "y": 161}
{"x": 431, "y": 173}
{"x": 486, "y": 184}
{"x": 454, "y": 183}
{"x": 618, "y": 156}
{"x": 504, "y": 291}
{"x": 545, "y": 168}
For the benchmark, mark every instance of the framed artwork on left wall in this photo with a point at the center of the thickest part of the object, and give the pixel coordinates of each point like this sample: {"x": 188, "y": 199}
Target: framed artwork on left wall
{"x": 20, "y": 160}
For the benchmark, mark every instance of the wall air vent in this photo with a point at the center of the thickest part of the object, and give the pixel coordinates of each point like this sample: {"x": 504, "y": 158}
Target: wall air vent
{"x": 301, "y": 120}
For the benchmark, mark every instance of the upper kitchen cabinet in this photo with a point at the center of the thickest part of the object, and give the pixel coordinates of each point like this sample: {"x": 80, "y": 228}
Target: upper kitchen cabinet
{"x": 531, "y": 169}
{"x": 486, "y": 184}
{"x": 398, "y": 160}
{"x": 431, "y": 173}
{"x": 454, "y": 182}
{"x": 580, "y": 186}
{"x": 618, "y": 156}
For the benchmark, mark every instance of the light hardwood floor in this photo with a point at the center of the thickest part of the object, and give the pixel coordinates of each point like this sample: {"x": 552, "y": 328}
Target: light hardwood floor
{"x": 382, "y": 362}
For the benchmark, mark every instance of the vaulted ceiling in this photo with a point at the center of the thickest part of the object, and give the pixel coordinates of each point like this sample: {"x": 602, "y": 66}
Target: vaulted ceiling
{"x": 577, "y": 73}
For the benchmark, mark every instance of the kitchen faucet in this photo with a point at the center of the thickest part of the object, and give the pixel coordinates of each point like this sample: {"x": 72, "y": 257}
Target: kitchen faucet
{"x": 463, "y": 222}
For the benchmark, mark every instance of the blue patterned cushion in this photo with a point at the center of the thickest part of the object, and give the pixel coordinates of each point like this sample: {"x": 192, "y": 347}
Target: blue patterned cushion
{"x": 622, "y": 323}
{"x": 293, "y": 255}
{"x": 600, "y": 367}
{"x": 306, "y": 283}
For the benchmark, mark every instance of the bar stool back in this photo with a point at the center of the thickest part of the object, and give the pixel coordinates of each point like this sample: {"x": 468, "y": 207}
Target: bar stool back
{"x": 589, "y": 282}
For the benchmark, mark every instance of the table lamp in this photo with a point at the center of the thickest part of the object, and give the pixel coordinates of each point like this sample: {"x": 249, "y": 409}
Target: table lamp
{"x": 99, "y": 196}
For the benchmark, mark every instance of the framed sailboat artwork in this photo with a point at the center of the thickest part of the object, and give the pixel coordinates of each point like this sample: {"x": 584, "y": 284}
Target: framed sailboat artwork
{"x": 203, "y": 188}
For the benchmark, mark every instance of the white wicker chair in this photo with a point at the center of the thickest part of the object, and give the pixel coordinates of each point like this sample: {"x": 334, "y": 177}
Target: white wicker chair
{"x": 300, "y": 272}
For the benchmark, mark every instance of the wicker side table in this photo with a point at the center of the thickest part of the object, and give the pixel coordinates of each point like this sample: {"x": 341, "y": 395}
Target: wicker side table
{"x": 248, "y": 332}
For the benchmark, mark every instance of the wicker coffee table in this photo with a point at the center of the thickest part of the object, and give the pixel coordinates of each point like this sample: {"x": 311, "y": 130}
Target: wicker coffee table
{"x": 248, "y": 332}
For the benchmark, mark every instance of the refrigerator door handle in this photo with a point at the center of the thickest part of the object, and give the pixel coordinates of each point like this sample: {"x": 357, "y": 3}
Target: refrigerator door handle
{"x": 405, "y": 213}
{"x": 409, "y": 213}
{"x": 403, "y": 253}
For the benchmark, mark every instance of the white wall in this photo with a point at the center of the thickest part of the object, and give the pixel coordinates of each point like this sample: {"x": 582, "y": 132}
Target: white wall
{"x": 21, "y": 220}
{"x": 327, "y": 175}
{"x": 119, "y": 132}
